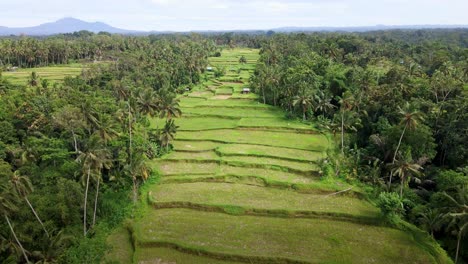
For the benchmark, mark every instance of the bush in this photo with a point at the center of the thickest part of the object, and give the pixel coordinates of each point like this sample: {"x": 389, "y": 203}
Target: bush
{"x": 390, "y": 204}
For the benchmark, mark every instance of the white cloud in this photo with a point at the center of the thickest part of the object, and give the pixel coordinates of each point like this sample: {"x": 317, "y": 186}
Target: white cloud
{"x": 235, "y": 14}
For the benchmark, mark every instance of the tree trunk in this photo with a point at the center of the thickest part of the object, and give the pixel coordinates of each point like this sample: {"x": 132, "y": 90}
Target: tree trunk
{"x": 96, "y": 201}
{"x": 16, "y": 238}
{"x": 401, "y": 188}
{"x": 135, "y": 190}
{"x": 399, "y": 144}
{"x": 264, "y": 98}
{"x": 458, "y": 247}
{"x": 75, "y": 143}
{"x": 130, "y": 132}
{"x": 342, "y": 132}
{"x": 394, "y": 156}
{"x": 85, "y": 202}
{"x": 37, "y": 216}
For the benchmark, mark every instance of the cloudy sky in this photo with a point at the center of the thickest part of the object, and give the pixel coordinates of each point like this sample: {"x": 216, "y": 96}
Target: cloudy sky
{"x": 183, "y": 15}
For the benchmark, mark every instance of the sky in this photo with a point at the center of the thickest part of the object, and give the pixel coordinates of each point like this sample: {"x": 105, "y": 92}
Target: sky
{"x": 183, "y": 15}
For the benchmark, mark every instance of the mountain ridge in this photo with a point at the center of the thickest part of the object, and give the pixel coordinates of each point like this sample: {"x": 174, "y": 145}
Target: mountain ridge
{"x": 70, "y": 25}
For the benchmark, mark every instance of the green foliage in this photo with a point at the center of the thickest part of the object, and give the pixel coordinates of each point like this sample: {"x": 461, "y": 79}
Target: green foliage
{"x": 391, "y": 205}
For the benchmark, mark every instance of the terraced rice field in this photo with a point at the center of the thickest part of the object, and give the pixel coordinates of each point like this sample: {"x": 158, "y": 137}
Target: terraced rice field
{"x": 243, "y": 186}
{"x": 53, "y": 73}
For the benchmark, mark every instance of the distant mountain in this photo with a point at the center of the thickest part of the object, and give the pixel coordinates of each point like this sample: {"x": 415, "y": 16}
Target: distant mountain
{"x": 69, "y": 25}
{"x": 64, "y": 25}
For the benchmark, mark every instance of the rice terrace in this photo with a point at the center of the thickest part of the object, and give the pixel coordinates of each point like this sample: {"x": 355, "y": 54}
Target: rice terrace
{"x": 234, "y": 132}
{"x": 243, "y": 186}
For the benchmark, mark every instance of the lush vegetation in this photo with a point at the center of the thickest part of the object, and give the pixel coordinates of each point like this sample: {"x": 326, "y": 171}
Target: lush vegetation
{"x": 351, "y": 148}
{"x": 73, "y": 154}
{"x": 396, "y": 103}
{"x": 254, "y": 186}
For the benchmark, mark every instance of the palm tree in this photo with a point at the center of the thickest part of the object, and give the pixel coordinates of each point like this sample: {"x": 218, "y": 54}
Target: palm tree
{"x": 458, "y": 215}
{"x": 107, "y": 128}
{"x": 23, "y": 188}
{"x": 347, "y": 104}
{"x": 169, "y": 106}
{"x": 410, "y": 120}
{"x": 345, "y": 121}
{"x": 305, "y": 102}
{"x": 431, "y": 220}
{"x": 7, "y": 207}
{"x": 93, "y": 160}
{"x": 137, "y": 169}
{"x": 71, "y": 119}
{"x": 405, "y": 170}
{"x": 90, "y": 115}
{"x": 53, "y": 247}
{"x": 168, "y": 133}
{"x": 322, "y": 103}
{"x": 148, "y": 102}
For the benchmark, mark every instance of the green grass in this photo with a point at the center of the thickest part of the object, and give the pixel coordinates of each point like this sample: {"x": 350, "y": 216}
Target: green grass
{"x": 209, "y": 155}
{"x": 193, "y": 123}
{"x": 317, "y": 240}
{"x": 239, "y": 112}
{"x": 224, "y": 91}
{"x": 194, "y": 145}
{"x": 191, "y": 101}
{"x": 168, "y": 256}
{"x": 268, "y": 138}
{"x": 269, "y": 174}
{"x": 122, "y": 249}
{"x": 177, "y": 168}
{"x": 293, "y": 166}
{"x": 260, "y": 197}
{"x": 234, "y": 103}
{"x": 265, "y": 151}
{"x": 52, "y": 73}
{"x": 274, "y": 123}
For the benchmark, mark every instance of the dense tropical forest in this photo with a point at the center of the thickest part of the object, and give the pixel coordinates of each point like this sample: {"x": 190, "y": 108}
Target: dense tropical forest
{"x": 396, "y": 103}
{"x": 74, "y": 152}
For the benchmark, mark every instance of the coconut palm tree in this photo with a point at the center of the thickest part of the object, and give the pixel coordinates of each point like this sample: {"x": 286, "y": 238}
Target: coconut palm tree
{"x": 168, "y": 133}
{"x": 322, "y": 103}
{"x": 304, "y": 101}
{"x": 148, "y": 102}
{"x": 23, "y": 187}
{"x": 8, "y": 207}
{"x": 96, "y": 158}
{"x": 458, "y": 214}
{"x": 137, "y": 169}
{"x": 410, "y": 120}
{"x": 107, "y": 128}
{"x": 405, "y": 170}
{"x": 169, "y": 106}
{"x": 346, "y": 105}
{"x": 431, "y": 220}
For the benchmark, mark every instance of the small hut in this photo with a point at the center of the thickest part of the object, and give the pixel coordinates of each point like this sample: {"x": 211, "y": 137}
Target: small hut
{"x": 245, "y": 90}
{"x": 209, "y": 68}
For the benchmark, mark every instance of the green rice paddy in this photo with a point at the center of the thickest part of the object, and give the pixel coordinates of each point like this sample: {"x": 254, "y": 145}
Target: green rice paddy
{"x": 243, "y": 186}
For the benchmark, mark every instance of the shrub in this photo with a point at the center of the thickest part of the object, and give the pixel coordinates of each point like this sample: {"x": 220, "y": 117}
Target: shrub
{"x": 390, "y": 204}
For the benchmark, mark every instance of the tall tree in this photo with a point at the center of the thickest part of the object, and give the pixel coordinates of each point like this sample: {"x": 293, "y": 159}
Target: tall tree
{"x": 410, "y": 120}
{"x": 8, "y": 207}
{"x": 458, "y": 214}
{"x": 405, "y": 169}
{"x": 23, "y": 188}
